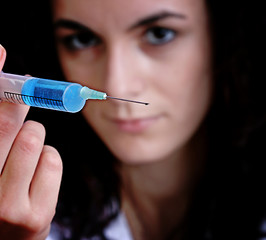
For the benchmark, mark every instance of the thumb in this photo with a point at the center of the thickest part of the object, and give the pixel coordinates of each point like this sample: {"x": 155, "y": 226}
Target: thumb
{"x": 2, "y": 56}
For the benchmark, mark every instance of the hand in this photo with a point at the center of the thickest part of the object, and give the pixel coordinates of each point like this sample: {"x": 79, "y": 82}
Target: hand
{"x": 30, "y": 175}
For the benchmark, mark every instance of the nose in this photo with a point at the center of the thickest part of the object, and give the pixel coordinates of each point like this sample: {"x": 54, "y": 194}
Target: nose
{"x": 123, "y": 73}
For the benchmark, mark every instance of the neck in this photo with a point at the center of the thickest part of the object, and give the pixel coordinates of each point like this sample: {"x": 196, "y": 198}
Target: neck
{"x": 156, "y": 197}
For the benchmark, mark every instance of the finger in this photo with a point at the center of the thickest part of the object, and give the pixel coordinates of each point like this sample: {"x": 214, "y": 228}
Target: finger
{"x": 46, "y": 181}
{"x": 2, "y": 57}
{"x": 8, "y": 123}
{"x": 11, "y": 119}
{"x": 22, "y": 160}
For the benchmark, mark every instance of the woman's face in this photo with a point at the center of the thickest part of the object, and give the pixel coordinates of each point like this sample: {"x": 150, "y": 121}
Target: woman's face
{"x": 153, "y": 51}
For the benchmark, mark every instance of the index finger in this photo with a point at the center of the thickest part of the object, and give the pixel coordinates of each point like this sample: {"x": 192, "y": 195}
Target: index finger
{"x": 11, "y": 119}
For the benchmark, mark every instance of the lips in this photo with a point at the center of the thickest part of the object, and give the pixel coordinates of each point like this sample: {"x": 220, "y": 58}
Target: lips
{"x": 136, "y": 125}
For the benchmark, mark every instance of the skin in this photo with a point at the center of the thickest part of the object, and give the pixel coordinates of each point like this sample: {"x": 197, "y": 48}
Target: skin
{"x": 161, "y": 147}
{"x": 30, "y": 174}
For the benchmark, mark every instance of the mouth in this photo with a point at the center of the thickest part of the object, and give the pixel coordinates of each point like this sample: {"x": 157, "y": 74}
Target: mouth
{"x": 136, "y": 125}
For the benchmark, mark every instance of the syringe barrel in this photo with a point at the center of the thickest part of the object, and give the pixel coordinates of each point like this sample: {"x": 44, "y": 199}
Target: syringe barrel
{"x": 44, "y": 93}
{"x": 51, "y": 94}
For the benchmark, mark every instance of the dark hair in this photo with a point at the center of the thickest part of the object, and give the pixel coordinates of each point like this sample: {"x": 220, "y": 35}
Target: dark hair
{"x": 235, "y": 172}
{"x": 229, "y": 202}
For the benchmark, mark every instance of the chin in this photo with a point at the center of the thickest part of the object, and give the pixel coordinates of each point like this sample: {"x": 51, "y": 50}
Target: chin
{"x": 136, "y": 153}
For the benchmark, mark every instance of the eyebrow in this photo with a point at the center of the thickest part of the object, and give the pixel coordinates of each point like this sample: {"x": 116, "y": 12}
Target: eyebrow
{"x": 70, "y": 24}
{"x": 156, "y": 17}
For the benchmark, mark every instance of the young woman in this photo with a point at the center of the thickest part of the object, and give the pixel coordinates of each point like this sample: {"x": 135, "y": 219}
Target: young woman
{"x": 178, "y": 170}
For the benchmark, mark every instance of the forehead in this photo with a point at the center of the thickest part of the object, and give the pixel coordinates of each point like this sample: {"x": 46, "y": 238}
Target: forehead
{"x": 121, "y": 12}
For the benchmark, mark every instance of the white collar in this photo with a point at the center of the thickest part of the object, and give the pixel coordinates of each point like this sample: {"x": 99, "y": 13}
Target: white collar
{"x": 118, "y": 229}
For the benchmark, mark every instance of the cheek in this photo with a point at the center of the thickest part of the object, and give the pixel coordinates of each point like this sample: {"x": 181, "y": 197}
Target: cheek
{"x": 187, "y": 80}
{"x": 186, "y": 90}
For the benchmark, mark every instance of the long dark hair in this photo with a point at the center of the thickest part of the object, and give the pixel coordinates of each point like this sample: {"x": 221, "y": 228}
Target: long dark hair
{"x": 229, "y": 202}
{"x": 231, "y": 197}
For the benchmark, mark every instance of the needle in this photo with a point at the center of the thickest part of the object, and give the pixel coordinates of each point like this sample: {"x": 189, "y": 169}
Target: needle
{"x": 88, "y": 93}
{"x": 126, "y": 100}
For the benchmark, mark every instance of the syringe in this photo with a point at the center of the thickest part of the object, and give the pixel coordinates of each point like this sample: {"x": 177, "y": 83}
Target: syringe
{"x": 46, "y": 93}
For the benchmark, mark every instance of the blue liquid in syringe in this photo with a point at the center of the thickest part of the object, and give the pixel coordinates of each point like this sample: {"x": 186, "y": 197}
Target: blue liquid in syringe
{"x": 63, "y": 96}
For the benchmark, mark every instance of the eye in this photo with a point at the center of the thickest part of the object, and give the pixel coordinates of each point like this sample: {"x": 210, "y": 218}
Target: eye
{"x": 80, "y": 40}
{"x": 159, "y": 35}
